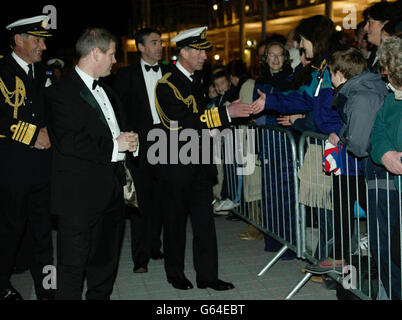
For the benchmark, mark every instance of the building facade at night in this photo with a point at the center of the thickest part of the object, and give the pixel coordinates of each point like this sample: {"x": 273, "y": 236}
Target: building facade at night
{"x": 235, "y": 26}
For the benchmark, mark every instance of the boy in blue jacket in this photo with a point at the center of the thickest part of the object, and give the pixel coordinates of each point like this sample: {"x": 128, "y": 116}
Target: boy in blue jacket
{"x": 359, "y": 95}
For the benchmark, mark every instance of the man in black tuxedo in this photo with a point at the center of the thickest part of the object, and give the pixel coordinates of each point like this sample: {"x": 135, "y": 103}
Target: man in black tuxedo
{"x": 86, "y": 130}
{"x": 187, "y": 187}
{"x": 25, "y": 156}
{"x": 135, "y": 86}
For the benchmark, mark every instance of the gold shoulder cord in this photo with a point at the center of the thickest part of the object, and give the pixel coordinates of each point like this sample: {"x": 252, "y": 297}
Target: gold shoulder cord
{"x": 190, "y": 100}
{"x": 18, "y": 94}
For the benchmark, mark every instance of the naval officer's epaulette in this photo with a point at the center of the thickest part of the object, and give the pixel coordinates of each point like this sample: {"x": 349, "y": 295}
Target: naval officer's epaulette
{"x": 210, "y": 117}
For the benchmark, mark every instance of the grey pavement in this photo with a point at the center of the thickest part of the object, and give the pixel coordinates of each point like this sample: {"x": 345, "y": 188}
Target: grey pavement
{"x": 240, "y": 261}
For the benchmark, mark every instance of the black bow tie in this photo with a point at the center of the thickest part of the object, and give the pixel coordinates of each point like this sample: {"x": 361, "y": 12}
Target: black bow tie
{"x": 192, "y": 76}
{"x": 95, "y": 84}
{"x": 155, "y": 67}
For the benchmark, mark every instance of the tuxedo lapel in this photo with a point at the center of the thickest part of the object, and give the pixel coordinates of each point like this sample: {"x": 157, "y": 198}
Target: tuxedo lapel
{"x": 89, "y": 98}
{"x": 139, "y": 80}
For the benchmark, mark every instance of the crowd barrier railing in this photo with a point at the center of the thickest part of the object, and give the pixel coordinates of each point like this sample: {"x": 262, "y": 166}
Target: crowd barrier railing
{"x": 349, "y": 221}
{"x": 268, "y": 196}
{"x": 353, "y": 219}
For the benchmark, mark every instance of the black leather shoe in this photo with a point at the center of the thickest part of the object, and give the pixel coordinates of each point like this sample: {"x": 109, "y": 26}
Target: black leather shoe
{"x": 10, "y": 294}
{"x": 232, "y": 217}
{"x": 157, "y": 256}
{"x": 217, "y": 284}
{"x": 140, "y": 269}
{"x": 181, "y": 283}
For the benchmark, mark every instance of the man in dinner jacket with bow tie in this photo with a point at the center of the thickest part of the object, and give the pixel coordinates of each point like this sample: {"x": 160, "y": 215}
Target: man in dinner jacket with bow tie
{"x": 90, "y": 140}
{"x": 135, "y": 86}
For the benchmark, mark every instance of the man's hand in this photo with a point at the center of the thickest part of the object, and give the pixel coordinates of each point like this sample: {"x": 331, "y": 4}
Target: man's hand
{"x": 259, "y": 104}
{"x": 288, "y": 120}
{"x": 333, "y": 139}
{"x": 42, "y": 141}
{"x": 239, "y": 110}
{"x": 392, "y": 162}
{"x": 284, "y": 120}
{"x": 127, "y": 141}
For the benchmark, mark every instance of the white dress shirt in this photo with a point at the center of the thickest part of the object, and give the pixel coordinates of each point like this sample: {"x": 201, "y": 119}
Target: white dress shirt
{"x": 151, "y": 78}
{"x": 107, "y": 110}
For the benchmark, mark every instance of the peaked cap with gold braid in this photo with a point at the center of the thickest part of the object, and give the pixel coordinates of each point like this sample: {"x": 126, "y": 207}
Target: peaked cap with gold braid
{"x": 195, "y": 38}
{"x": 36, "y": 26}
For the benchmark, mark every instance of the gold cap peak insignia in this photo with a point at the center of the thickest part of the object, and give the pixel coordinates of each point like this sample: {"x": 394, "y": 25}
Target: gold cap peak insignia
{"x": 203, "y": 34}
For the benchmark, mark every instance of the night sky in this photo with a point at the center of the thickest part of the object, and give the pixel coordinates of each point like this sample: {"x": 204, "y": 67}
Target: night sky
{"x": 72, "y": 17}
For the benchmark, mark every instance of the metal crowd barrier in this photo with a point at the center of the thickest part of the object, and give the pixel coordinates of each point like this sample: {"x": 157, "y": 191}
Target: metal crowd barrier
{"x": 356, "y": 219}
{"x": 269, "y": 195}
{"x": 352, "y": 218}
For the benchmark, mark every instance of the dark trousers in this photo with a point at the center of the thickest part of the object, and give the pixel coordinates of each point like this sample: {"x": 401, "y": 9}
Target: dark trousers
{"x": 25, "y": 252}
{"x": 189, "y": 193}
{"x": 146, "y": 223}
{"x": 89, "y": 246}
{"x": 25, "y": 207}
{"x": 345, "y": 195}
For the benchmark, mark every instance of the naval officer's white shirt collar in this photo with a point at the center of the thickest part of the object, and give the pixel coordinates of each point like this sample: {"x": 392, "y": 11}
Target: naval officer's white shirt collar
{"x": 184, "y": 71}
{"x": 22, "y": 63}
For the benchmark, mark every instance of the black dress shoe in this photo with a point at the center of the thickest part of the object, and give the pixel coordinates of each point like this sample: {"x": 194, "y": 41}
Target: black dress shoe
{"x": 181, "y": 283}
{"x": 232, "y": 217}
{"x": 10, "y": 294}
{"x": 157, "y": 256}
{"x": 217, "y": 284}
{"x": 140, "y": 269}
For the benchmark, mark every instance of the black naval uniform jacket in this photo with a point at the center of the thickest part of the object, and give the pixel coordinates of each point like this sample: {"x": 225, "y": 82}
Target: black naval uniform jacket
{"x": 181, "y": 103}
{"x": 19, "y": 126}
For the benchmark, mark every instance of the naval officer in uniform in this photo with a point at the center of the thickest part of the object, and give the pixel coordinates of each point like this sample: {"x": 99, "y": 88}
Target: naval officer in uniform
{"x": 186, "y": 189}
{"x": 25, "y": 155}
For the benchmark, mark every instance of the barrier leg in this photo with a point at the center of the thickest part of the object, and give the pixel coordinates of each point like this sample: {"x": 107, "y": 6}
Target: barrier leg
{"x": 274, "y": 260}
{"x": 299, "y": 285}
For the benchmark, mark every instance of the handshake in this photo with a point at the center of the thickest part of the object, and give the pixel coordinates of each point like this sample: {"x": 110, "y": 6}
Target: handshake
{"x": 240, "y": 110}
{"x": 127, "y": 141}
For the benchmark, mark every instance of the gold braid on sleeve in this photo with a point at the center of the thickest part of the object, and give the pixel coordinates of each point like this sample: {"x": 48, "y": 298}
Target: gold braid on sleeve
{"x": 189, "y": 101}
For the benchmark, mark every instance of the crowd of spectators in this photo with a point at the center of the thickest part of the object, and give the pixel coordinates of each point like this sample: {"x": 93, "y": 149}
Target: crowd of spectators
{"x": 349, "y": 89}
